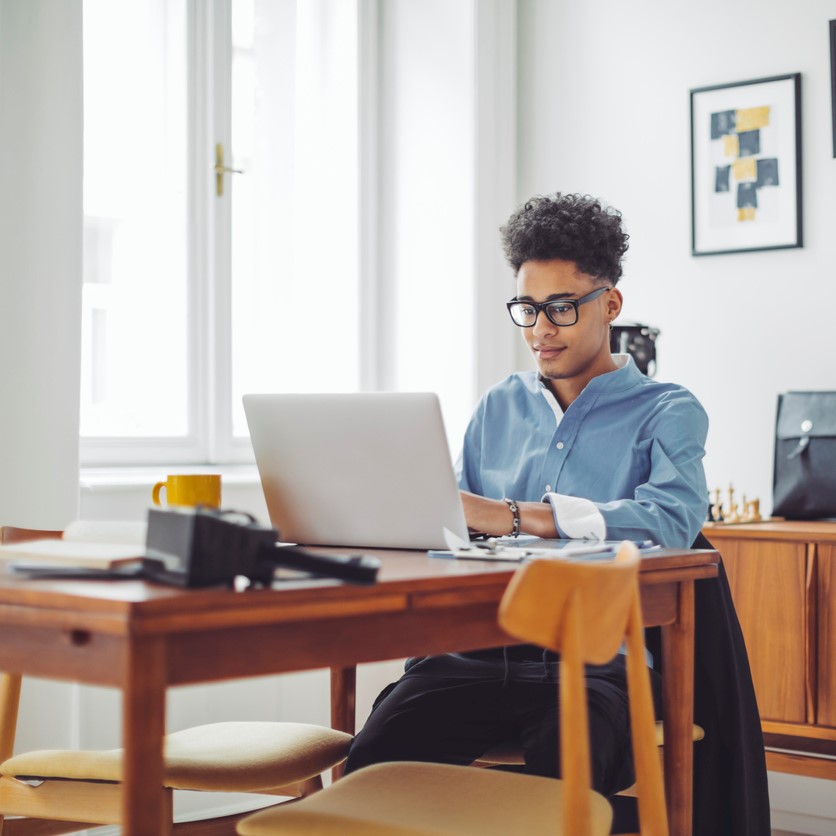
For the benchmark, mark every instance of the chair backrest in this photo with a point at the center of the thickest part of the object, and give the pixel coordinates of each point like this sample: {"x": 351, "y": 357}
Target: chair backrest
{"x": 585, "y": 611}
{"x": 13, "y": 534}
{"x": 544, "y": 592}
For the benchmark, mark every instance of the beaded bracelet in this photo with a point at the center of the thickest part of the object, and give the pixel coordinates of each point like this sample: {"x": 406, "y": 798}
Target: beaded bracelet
{"x": 515, "y": 510}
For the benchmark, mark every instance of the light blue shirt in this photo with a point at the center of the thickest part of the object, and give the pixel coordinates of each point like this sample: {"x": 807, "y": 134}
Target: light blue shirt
{"x": 631, "y": 446}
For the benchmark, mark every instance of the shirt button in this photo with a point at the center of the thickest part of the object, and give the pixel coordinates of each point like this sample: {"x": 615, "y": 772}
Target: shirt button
{"x": 560, "y": 445}
{"x": 548, "y": 488}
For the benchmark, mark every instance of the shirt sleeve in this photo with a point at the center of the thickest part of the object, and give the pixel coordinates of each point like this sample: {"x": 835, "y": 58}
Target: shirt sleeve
{"x": 669, "y": 504}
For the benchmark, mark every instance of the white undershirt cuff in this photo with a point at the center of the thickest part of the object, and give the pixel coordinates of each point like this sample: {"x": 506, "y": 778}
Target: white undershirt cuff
{"x": 576, "y": 518}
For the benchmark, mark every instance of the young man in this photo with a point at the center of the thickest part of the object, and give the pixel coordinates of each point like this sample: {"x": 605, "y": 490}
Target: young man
{"x": 587, "y": 447}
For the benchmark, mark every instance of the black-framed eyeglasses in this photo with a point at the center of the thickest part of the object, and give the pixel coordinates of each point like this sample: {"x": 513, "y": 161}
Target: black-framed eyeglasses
{"x": 561, "y": 312}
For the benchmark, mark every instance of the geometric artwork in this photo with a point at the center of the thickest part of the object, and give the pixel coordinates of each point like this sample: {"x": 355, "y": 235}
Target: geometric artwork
{"x": 746, "y": 166}
{"x": 740, "y": 133}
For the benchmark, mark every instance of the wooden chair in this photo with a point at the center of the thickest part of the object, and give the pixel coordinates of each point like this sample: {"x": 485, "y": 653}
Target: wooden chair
{"x": 581, "y": 610}
{"x": 60, "y": 791}
{"x": 13, "y": 534}
{"x": 510, "y": 753}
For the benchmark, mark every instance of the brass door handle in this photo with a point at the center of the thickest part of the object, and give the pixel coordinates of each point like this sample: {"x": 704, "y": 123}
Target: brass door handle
{"x": 220, "y": 169}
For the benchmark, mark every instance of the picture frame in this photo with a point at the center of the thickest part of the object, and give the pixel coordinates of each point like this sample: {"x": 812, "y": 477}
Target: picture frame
{"x": 833, "y": 80}
{"x": 746, "y": 166}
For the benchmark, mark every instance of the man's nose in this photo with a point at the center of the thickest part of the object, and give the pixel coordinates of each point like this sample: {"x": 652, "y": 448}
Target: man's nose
{"x": 543, "y": 325}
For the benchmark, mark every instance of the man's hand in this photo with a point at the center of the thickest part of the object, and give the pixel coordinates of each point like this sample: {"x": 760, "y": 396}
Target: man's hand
{"x": 494, "y": 518}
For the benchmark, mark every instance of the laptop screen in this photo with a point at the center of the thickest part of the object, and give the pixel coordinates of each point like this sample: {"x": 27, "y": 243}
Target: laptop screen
{"x": 367, "y": 469}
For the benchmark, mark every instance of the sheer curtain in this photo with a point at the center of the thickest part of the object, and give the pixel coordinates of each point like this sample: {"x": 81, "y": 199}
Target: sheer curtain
{"x": 295, "y": 285}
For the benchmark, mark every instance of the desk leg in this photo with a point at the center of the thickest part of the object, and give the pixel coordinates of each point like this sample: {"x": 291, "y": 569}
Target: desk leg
{"x": 678, "y": 696}
{"x": 144, "y": 808}
{"x": 343, "y": 705}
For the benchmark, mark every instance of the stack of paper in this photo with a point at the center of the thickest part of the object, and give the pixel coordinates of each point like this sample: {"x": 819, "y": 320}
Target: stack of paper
{"x": 505, "y": 549}
{"x": 85, "y": 544}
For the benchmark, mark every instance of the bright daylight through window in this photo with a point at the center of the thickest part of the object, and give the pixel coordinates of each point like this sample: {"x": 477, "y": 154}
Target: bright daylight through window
{"x": 192, "y": 298}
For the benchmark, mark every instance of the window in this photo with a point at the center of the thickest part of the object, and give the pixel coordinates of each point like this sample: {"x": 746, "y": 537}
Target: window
{"x": 200, "y": 287}
{"x": 358, "y": 248}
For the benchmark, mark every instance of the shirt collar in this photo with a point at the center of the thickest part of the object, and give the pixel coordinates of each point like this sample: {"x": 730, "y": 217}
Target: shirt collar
{"x": 624, "y": 376}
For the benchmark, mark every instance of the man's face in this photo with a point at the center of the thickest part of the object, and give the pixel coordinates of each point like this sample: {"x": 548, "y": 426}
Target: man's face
{"x": 574, "y": 353}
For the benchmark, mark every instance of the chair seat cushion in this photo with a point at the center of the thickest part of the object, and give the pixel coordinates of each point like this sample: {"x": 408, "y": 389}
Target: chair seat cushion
{"x": 230, "y": 757}
{"x": 422, "y": 799}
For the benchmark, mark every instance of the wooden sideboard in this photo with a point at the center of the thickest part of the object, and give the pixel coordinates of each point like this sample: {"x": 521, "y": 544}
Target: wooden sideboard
{"x": 783, "y": 581}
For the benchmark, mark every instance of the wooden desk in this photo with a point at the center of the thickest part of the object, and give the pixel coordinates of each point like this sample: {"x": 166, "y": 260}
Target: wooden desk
{"x": 143, "y": 638}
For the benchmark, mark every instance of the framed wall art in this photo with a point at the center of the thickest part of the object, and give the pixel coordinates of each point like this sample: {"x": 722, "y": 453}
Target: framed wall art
{"x": 746, "y": 166}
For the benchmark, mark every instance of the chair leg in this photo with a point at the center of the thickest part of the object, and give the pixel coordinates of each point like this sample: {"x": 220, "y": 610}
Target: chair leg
{"x": 10, "y": 684}
{"x": 343, "y": 706}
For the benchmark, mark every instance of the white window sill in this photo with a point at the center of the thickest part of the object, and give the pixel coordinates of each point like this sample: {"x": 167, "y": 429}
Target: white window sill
{"x": 110, "y": 478}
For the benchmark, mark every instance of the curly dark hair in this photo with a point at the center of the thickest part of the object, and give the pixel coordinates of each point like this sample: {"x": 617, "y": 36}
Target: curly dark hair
{"x": 571, "y": 227}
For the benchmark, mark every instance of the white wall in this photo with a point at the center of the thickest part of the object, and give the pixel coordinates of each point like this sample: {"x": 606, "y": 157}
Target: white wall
{"x": 40, "y": 272}
{"x": 40, "y": 287}
{"x": 425, "y": 220}
{"x": 604, "y": 109}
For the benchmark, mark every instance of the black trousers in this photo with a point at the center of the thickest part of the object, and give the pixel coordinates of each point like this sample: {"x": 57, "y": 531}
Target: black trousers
{"x": 435, "y": 713}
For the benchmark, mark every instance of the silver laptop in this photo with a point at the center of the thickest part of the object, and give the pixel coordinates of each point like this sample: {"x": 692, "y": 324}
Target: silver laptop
{"x": 365, "y": 469}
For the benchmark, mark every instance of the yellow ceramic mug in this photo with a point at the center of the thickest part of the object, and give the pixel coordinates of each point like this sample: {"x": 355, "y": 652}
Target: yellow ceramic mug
{"x": 187, "y": 489}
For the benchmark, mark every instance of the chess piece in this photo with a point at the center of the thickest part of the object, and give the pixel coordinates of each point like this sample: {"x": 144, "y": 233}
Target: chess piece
{"x": 732, "y": 516}
{"x": 717, "y": 508}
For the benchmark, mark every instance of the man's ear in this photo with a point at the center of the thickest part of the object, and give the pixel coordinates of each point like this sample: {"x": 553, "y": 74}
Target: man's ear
{"x": 615, "y": 301}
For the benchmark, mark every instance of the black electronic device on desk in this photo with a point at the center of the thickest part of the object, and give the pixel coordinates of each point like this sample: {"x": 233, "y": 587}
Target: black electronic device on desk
{"x": 357, "y": 568}
{"x": 203, "y": 547}
{"x": 208, "y": 548}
